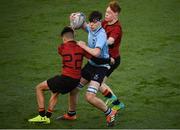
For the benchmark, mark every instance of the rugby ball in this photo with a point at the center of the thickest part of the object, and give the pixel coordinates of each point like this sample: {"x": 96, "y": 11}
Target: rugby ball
{"x": 77, "y": 20}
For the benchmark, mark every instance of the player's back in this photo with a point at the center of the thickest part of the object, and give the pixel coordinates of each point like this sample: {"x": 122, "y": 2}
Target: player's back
{"x": 72, "y": 59}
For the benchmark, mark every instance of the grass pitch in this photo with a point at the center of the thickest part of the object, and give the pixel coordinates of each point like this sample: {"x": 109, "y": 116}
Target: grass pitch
{"x": 148, "y": 80}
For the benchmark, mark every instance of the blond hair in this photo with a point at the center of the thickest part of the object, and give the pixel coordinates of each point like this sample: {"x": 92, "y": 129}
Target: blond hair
{"x": 115, "y": 7}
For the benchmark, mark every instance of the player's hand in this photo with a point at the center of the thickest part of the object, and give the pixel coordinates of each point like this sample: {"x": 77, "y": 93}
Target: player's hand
{"x": 112, "y": 61}
{"x": 82, "y": 44}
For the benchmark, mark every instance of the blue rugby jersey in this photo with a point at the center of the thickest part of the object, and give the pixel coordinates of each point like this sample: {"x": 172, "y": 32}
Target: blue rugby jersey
{"x": 98, "y": 39}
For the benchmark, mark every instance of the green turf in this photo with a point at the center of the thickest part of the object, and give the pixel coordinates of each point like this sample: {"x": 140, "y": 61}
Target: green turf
{"x": 147, "y": 81}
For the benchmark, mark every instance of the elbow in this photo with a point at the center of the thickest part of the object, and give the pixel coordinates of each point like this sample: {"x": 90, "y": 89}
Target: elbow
{"x": 97, "y": 54}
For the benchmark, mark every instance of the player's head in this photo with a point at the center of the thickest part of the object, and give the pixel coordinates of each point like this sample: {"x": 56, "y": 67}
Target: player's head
{"x": 95, "y": 20}
{"x": 112, "y": 11}
{"x": 67, "y": 33}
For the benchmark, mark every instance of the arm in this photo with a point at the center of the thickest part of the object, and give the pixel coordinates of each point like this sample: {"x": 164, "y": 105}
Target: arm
{"x": 84, "y": 26}
{"x": 115, "y": 34}
{"x": 112, "y": 61}
{"x": 110, "y": 40}
{"x": 93, "y": 51}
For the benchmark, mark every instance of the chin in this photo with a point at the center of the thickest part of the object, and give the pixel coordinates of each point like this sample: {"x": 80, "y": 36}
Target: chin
{"x": 108, "y": 20}
{"x": 92, "y": 29}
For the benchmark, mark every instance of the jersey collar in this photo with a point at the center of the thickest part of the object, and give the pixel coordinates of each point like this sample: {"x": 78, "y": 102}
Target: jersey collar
{"x": 97, "y": 30}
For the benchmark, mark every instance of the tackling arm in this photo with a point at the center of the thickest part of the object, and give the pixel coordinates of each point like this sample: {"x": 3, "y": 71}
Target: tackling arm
{"x": 93, "y": 51}
{"x": 110, "y": 40}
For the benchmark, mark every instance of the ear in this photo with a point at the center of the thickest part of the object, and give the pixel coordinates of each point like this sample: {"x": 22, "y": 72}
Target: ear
{"x": 116, "y": 14}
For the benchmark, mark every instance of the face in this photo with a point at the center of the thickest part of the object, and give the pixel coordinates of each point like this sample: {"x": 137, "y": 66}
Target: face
{"x": 94, "y": 25}
{"x": 109, "y": 15}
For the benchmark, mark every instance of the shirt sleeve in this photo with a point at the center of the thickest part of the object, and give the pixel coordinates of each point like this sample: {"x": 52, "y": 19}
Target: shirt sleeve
{"x": 115, "y": 33}
{"x": 101, "y": 40}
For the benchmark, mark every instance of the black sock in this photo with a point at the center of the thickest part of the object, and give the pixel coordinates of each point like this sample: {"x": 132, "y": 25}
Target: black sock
{"x": 117, "y": 102}
{"x": 48, "y": 114}
{"x": 109, "y": 95}
{"x": 42, "y": 113}
{"x": 71, "y": 113}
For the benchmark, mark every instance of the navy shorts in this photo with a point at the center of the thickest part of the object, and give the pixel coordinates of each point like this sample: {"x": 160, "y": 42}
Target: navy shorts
{"x": 90, "y": 72}
{"x": 114, "y": 66}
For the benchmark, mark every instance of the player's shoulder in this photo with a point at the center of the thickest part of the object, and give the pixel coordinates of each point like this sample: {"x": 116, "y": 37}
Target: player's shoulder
{"x": 117, "y": 24}
{"x": 116, "y": 27}
{"x": 102, "y": 31}
{"x": 102, "y": 34}
{"x": 73, "y": 45}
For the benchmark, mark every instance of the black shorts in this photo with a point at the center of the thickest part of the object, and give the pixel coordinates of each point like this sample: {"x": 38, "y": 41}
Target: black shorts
{"x": 90, "y": 72}
{"x": 62, "y": 84}
{"x": 114, "y": 66}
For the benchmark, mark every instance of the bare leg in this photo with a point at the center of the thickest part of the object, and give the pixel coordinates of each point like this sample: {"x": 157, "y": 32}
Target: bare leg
{"x": 95, "y": 101}
{"x": 40, "y": 88}
{"x": 53, "y": 101}
{"x": 73, "y": 96}
{"x": 105, "y": 86}
{"x": 73, "y": 99}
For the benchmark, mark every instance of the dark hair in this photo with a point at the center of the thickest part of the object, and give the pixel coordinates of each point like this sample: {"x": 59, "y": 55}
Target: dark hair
{"x": 66, "y": 30}
{"x": 95, "y": 16}
{"x": 115, "y": 7}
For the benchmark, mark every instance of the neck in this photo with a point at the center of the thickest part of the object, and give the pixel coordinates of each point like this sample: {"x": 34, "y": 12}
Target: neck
{"x": 67, "y": 40}
{"x": 94, "y": 30}
{"x": 113, "y": 21}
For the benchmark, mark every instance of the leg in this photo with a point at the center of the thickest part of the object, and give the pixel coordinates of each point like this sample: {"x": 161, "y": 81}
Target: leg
{"x": 112, "y": 100}
{"x": 98, "y": 103}
{"x": 91, "y": 96}
{"x": 105, "y": 87}
{"x": 73, "y": 99}
{"x": 73, "y": 96}
{"x": 53, "y": 101}
{"x": 40, "y": 88}
{"x": 114, "y": 66}
{"x": 41, "y": 118}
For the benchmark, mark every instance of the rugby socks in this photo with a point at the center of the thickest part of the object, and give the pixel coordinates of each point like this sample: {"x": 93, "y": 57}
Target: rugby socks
{"x": 117, "y": 102}
{"x": 49, "y": 113}
{"x": 80, "y": 86}
{"x": 71, "y": 113}
{"x": 108, "y": 111}
{"x": 41, "y": 112}
{"x": 107, "y": 93}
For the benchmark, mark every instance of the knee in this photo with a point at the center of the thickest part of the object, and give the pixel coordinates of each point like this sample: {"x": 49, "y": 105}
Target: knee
{"x": 39, "y": 87}
{"x": 90, "y": 97}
